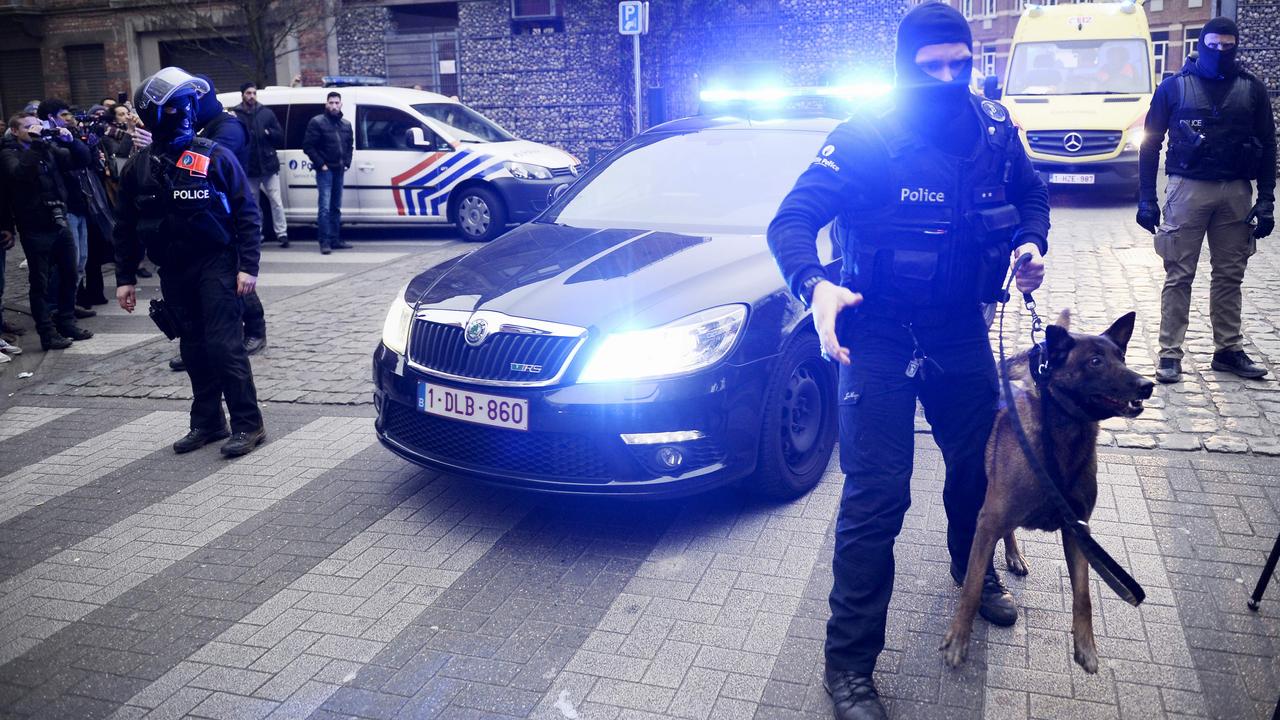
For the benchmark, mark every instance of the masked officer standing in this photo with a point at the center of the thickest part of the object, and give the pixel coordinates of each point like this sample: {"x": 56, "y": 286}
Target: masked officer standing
{"x": 929, "y": 196}
{"x": 185, "y": 200}
{"x": 1221, "y": 135}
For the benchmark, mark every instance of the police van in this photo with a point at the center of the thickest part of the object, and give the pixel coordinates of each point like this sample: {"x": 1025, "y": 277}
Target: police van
{"x": 1078, "y": 84}
{"x": 419, "y": 157}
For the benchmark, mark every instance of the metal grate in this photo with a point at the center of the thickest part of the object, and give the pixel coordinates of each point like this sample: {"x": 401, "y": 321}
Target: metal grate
{"x": 504, "y": 357}
{"x": 553, "y": 455}
{"x": 1092, "y": 142}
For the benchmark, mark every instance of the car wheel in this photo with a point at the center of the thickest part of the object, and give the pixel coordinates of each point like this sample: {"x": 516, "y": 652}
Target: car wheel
{"x": 480, "y": 214}
{"x": 800, "y": 422}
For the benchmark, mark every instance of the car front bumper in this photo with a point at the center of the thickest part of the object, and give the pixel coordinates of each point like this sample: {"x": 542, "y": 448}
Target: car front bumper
{"x": 574, "y": 443}
{"x": 1119, "y": 173}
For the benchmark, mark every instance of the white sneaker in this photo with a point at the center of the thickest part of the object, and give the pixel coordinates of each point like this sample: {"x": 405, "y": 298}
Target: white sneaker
{"x": 4, "y": 358}
{"x": 10, "y": 348}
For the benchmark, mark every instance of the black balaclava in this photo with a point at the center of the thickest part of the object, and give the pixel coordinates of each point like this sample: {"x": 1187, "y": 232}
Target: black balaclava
{"x": 1217, "y": 64}
{"x": 925, "y": 100}
{"x": 208, "y": 106}
{"x": 175, "y": 131}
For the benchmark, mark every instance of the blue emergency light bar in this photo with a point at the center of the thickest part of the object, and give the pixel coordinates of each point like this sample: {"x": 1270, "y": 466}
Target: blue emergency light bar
{"x": 352, "y": 80}
{"x": 767, "y": 95}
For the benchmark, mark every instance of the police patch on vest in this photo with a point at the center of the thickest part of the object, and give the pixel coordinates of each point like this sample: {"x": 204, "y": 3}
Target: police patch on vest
{"x": 995, "y": 111}
{"x": 922, "y": 195}
{"x": 201, "y": 194}
{"x": 194, "y": 163}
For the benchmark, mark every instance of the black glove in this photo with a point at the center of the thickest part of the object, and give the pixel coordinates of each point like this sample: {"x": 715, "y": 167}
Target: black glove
{"x": 1149, "y": 216}
{"x": 1265, "y": 215}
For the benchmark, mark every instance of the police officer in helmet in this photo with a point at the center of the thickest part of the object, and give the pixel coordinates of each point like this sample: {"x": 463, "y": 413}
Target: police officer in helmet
{"x": 185, "y": 201}
{"x": 931, "y": 197}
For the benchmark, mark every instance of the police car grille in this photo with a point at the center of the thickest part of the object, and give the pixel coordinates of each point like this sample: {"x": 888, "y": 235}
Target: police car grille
{"x": 503, "y": 357}
{"x": 562, "y": 172}
{"x": 554, "y": 455}
{"x": 1092, "y": 142}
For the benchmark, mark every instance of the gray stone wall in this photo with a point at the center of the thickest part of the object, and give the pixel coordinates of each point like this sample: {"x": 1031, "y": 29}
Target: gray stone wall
{"x": 574, "y": 89}
{"x": 361, "y": 35}
{"x": 1259, "y": 22}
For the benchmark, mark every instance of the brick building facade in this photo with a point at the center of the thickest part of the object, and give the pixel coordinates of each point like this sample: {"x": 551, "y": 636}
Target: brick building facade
{"x": 554, "y": 71}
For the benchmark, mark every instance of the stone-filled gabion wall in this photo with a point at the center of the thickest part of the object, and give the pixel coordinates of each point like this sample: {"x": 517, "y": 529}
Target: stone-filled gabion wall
{"x": 574, "y": 89}
{"x": 1259, "y": 22}
{"x": 362, "y": 46}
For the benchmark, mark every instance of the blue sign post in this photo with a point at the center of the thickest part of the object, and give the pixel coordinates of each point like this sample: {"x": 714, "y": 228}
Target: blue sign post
{"x": 633, "y": 20}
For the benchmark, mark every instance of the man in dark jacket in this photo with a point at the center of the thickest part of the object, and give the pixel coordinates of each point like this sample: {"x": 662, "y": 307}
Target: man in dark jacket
{"x": 328, "y": 143}
{"x": 1222, "y": 135}
{"x": 263, "y": 168}
{"x": 57, "y": 114}
{"x": 33, "y": 162}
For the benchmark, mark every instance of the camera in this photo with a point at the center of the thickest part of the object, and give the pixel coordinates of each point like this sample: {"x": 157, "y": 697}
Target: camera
{"x": 58, "y": 211}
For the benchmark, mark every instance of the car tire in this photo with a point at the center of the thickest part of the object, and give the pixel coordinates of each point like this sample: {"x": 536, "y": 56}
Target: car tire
{"x": 800, "y": 422}
{"x": 479, "y": 214}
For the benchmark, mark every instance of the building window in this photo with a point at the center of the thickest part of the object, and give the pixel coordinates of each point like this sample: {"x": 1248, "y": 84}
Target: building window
{"x": 87, "y": 70}
{"x": 988, "y": 61}
{"x": 1160, "y": 48}
{"x": 535, "y": 9}
{"x": 989, "y": 7}
{"x": 1195, "y": 3}
{"x": 1189, "y": 38}
{"x": 966, "y": 8}
{"x": 1155, "y": 6}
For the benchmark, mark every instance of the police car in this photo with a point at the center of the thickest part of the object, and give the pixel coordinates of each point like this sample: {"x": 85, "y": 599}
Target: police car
{"x": 419, "y": 157}
{"x": 635, "y": 339}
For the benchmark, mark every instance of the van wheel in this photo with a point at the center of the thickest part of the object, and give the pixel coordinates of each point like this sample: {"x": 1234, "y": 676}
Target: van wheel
{"x": 480, "y": 214}
{"x": 800, "y": 422}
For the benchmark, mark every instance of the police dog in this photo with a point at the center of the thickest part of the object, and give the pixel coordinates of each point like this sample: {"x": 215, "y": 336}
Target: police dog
{"x": 1088, "y": 382}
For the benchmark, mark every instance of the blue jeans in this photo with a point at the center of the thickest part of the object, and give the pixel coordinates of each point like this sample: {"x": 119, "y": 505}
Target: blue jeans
{"x": 328, "y": 206}
{"x": 79, "y": 225}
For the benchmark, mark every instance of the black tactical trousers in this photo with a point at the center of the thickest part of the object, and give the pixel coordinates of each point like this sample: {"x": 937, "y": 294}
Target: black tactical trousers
{"x": 877, "y": 420}
{"x": 51, "y": 260}
{"x": 202, "y": 288}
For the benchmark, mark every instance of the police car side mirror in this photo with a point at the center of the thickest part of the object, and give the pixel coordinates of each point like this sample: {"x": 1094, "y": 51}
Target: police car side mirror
{"x": 991, "y": 87}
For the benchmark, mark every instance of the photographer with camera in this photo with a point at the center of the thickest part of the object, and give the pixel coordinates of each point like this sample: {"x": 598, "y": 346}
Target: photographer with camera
{"x": 32, "y": 162}
{"x": 57, "y": 115}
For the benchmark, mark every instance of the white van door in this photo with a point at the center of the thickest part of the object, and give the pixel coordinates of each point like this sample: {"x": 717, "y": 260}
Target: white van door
{"x": 398, "y": 164}
{"x": 298, "y": 178}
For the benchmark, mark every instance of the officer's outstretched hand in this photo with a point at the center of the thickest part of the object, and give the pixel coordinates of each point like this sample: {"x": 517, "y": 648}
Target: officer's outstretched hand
{"x": 828, "y": 300}
{"x": 245, "y": 283}
{"x": 1032, "y": 274}
{"x": 127, "y": 296}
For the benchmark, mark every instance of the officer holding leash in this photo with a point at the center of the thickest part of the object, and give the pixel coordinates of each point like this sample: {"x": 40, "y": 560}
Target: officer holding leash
{"x": 930, "y": 198}
{"x": 185, "y": 200}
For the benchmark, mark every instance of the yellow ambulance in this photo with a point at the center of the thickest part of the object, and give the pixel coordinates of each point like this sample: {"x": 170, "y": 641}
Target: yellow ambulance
{"x": 1078, "y": 85}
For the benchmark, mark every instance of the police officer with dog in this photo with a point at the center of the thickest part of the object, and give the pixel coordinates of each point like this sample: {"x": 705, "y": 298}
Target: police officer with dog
{"x": 185, "y": 201}
{"x": 931, "y": 197}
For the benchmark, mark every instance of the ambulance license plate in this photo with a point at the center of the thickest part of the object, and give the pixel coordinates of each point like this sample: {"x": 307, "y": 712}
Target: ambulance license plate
{"x": 1071, "y": 178}
{"x": 479, "y": 408}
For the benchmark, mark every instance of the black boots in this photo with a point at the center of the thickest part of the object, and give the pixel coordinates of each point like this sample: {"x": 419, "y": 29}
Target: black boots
{"x": 243, "y": 443}
{"x": 1237, "y": 363}
{"x": 853, "y": 695}
{"x": 997, "y": 605}
{"x": 197, "y": 439}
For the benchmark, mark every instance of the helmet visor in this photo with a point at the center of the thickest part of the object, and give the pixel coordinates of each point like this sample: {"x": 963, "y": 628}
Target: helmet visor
{"x": 159, "y": 88}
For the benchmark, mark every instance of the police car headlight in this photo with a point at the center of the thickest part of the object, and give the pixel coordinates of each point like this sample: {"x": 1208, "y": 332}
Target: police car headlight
{"x": 395, "y": 331}
{"x": 688, "y": 344}
{"x": 525, "y": 171}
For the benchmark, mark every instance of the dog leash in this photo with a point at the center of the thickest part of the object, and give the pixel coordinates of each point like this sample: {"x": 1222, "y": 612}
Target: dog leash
{"x": 1120, "y": 581}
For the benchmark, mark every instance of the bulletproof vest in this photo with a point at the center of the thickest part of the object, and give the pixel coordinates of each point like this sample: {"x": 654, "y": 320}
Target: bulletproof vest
{"x": 943, "y": 238}
{"x": 1209, "y": 141}
{"x": 178, "y": 206}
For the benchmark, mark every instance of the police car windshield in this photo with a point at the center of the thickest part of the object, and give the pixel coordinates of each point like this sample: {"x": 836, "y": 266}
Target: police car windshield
{"x": 709, "y": 181}
{"x": 1080, "y": 67}
{"x": 469, "y": 125}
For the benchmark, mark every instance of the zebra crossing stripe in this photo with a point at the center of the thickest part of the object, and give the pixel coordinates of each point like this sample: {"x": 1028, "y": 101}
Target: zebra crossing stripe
{"x": 82, "y": 464}
{"x": 287, "y": 639}
{"x": 38, "y": 602}
{"x": 17, "y": 420}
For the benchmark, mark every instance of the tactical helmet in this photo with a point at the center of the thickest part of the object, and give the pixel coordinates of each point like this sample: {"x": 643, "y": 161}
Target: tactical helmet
{"x": 159, "y": 89}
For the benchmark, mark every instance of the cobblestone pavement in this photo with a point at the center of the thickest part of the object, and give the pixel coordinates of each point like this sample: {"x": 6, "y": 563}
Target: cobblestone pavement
{"x": 322, "y": 577}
